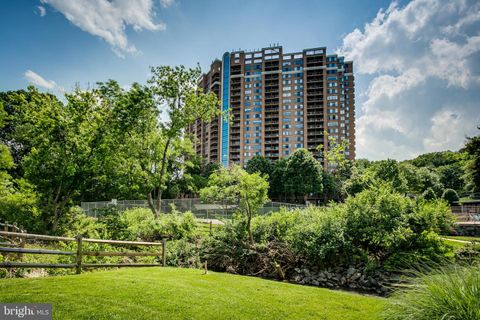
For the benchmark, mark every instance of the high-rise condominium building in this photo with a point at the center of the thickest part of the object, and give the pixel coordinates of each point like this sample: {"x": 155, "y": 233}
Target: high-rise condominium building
{"x": 278, "y": 102}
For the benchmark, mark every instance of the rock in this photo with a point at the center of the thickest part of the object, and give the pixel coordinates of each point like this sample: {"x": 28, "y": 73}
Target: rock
{"x": 351, "y": 271}
{"x": 356, "y": 276}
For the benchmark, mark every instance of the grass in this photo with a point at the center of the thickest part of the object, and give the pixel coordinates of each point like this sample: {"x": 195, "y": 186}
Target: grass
{"x": 451, "y": 292}
{"x": 464, "y": 238}
{"x": 170, "y": 293}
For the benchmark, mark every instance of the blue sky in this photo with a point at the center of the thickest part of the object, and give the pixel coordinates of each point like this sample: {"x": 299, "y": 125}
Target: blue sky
{"x": 403, "y": 108}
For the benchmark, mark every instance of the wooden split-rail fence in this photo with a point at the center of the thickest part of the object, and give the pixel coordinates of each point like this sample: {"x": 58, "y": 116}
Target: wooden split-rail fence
{"x": 13, "y": 240}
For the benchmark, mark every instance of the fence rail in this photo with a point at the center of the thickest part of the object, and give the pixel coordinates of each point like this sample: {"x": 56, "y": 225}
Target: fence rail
{"x": 79, "y": 253}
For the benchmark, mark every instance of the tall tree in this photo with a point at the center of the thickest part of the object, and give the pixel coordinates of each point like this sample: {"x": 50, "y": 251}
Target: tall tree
{"x": 175, "y": 91}
{"x": 303, "y": 174}
{"x": 472, "y": 147}
{"x": 67, "y": 146}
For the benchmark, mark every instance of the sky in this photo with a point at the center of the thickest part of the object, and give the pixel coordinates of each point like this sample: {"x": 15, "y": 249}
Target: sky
{"x": 416, "y": 64}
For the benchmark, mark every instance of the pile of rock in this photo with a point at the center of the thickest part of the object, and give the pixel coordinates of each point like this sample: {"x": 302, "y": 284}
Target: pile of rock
{"x": 350, "y": 278}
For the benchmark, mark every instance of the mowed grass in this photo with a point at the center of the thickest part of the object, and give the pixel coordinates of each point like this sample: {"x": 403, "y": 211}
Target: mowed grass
{"x": 464, "y": 238}
{"x": 171, "y": 293}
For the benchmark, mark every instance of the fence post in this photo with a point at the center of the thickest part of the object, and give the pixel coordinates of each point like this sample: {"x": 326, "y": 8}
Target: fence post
{"x": 21, "y": 244}
{"x": 164, "y": 249}
{"x": 79, "y": 254}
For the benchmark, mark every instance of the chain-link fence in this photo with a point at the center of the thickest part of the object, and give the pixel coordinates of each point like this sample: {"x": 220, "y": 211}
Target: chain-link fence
{"x": 196, "y": 206}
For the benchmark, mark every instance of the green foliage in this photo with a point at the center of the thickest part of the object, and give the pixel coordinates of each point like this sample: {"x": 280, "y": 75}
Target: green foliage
{"x": 319, "y": 235}
{"x": 20, "y": 205}
{"x": 303, "y": 174}
{"x": 175, "y": 90}
{"x": 472, "y": 166}
{"x": 80, "y": 224}
{"x": 389, "y": 171}
{"x": 141, "y": 224}
{"x": 445, "y": 293}
{"x": 235, "y": 185}
{"x": 429, "y": 194}
{"x": 261, "y": 165}
{"x": 377, "y": 228}
{"x": 18, "y": 200}
{"x": 434, "y": 215}
{"x": 450, "y": 195}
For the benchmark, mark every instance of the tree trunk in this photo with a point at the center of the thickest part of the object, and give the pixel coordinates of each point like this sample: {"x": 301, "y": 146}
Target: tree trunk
{"x": 151, "y": 205}
{"x": 158, "y": 206}
{"x": 55, "y": 208}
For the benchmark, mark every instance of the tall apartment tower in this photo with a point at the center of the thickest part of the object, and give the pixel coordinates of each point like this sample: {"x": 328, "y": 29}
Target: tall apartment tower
{"x": 278, "y": 102}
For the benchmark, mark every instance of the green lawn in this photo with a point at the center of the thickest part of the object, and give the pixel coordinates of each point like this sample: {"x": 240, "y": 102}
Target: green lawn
{"x": 170, "y": 293}
{"x": 464, "y": 238}
{"x": 455, "y": 244}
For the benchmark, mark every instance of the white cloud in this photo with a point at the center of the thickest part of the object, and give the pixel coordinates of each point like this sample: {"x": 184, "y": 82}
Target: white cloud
{"x": 422, "y": 62}
{"x": 109, "y": 19}
{"x": 41, "y": 11}
{"x": 167, "y": 3}
{"x": 38, "y": 80}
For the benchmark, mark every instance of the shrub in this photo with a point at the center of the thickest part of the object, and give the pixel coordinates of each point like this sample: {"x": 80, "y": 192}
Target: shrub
{"x": 274, "y": 227}
{"x": 80, "y": 223}
{"x": 20, "y": 206}
{"x": 376, "y": 229}
{"x": 450, "y": 196}
{"x": 319, "y": 235}
{"x": 433, "y": 216}
{"x": 376, "y": 219}
{"x": 141, "y": 224}
{"x": 183, "y": 253}
{"x": 446, "y": 293}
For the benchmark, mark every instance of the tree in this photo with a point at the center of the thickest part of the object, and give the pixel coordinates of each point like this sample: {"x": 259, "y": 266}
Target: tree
{"x": 67, "y": 146}
{"x": 472, "y": 167}
{"x": 303, "y": 174}
{"x": 235, "y": 185}
{"x": 276, "y": 179}
{"x": 175, "y": 91}
{"x": 338, "y": 168}
{"x": 261, "y": 165}
{"x": 389, "y": 171}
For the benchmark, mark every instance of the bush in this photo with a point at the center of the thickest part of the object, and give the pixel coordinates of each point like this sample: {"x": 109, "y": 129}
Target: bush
{"x": 450, "y": 196}
{"x": 376, "y": 229}
{"x": 20, "y": 206}
{"x": 446, "y": 293}
{"x": 80, "y": 223}
{"x": 319, "y": 235}
{"x": 432, "y": 216}
{"x": 140, "y": 223}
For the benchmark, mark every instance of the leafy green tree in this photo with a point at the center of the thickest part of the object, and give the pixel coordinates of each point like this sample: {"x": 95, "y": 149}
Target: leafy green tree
{"x": 175, "y": 91}
{"x": 277, "y": 187}
{"x": 261, "y": 165}
{"x": 338, "y": 168}
{"x": 452, "y": 175}
{"x": 472, "y": 168}
{"x": 67, "y": 146}
{"x": 303, "y": 174}
{"x": 389, "y": 171}
{"x": 235, "y": 185}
